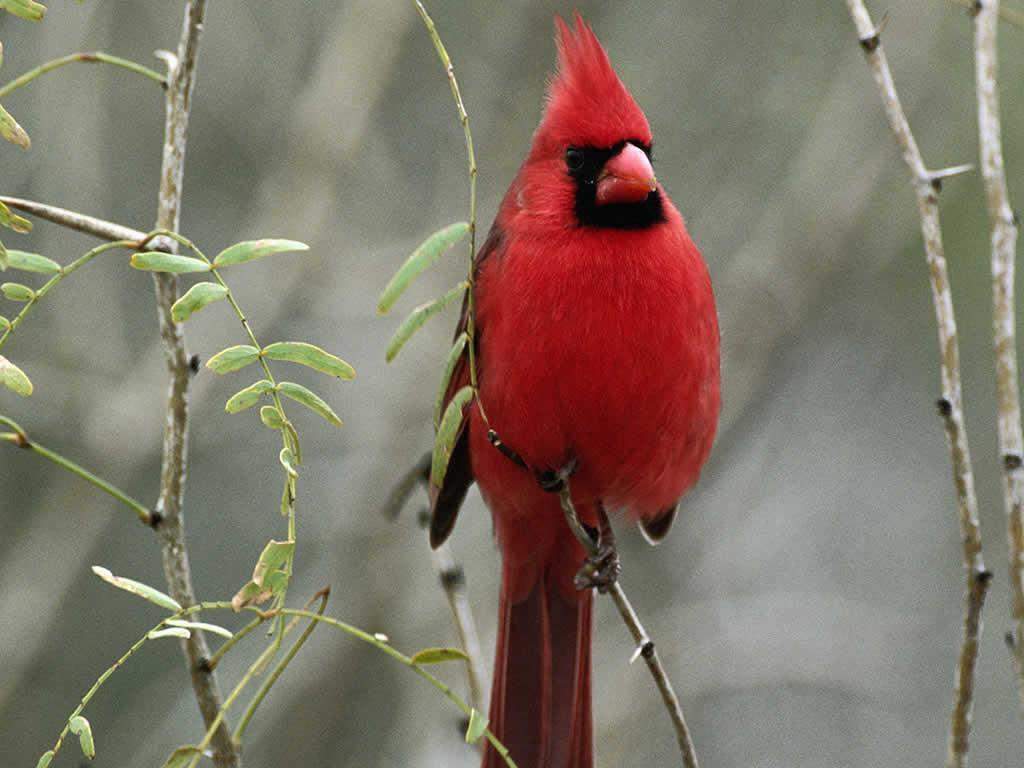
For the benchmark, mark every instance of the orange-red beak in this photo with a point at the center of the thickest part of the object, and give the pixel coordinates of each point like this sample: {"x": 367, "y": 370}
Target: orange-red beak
{"x": 626, "y": 178}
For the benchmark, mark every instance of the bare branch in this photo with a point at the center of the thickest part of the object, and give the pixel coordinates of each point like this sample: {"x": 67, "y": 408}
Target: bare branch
{"x": 106, "y": 230}
{"x": 181, "y": 80}
{"x": 1004, "y": 250}
{"x": 950, "y": 404}
{"x": 644, "y": 645}
{"x": 453, "y": 581}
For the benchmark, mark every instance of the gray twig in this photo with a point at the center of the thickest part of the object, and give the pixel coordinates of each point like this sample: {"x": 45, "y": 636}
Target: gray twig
{"x": 106, "y": 230}
{"x": 1004, "y": 339}
{"x": 453, "y": 582}
{"x": 644, "y": 645}
{"x": 977, "y": 577}
{"x": 181, "y": 80}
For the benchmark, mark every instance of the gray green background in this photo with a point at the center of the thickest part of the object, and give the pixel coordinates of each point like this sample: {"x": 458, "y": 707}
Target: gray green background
{"x": 808, "y": 601}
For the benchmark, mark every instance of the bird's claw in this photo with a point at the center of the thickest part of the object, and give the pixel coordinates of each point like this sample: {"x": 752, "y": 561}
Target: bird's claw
{"x": 600, "y": 570}
{"x": 554, "y": 480}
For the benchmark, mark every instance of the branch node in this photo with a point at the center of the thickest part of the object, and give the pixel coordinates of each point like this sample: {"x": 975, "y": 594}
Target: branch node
{"x": 647, "y": 649}
{"x": 203, "y": 665}
{"x": 1012, "y": 461}
{"x": 452, "y": 577}
{"x": 193, "y": 364}
{"x": 945, "y": 407}
{"x": 983, "y": 577}
{"x": 155, "y": 519}
{"x": 21, "y": 440}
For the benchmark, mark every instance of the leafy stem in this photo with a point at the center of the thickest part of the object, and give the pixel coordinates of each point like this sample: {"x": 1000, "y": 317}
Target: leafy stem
{"x": 57, "y": 278}
{"x": 84, "y": 57}
{"x": 20, "y": 439}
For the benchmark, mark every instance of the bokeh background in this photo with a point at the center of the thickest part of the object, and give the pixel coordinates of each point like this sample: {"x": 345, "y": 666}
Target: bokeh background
{"x": 808, "y": 601}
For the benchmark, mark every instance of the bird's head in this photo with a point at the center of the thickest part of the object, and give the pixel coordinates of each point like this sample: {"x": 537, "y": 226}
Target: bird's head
{"x": 591, "y": 153}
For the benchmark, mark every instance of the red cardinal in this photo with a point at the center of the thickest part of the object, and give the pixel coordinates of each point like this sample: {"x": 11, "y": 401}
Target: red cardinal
{"x": 597, "y": 349}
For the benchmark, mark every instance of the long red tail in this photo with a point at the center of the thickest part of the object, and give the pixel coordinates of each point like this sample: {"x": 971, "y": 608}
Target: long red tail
{"x": 540, "y": 702}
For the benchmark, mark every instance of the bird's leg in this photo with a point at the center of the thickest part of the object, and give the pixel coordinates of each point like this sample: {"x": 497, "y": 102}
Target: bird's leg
{"x": 554, "y": 480}
{"x": 602, "y": 568}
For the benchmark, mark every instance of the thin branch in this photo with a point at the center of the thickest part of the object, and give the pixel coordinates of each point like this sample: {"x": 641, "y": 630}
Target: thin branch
{"x": 1009, "y": 15}
{"x": 106, "y": 230}
{"x": 181, "y": 79}
{"x": 950, "y": 404}
{"x": 1004, "y": 249}
{"x": 644, "y": 645}
{"x": 20, "y": 439}
{"x": 452, "y": 578}
{"x": 90, "y": 57}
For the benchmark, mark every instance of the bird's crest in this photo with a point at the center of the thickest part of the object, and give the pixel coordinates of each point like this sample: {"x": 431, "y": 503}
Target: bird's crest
{"x": 587, "y": 103}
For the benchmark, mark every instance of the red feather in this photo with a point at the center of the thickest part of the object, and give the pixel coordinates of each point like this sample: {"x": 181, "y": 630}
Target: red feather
{"x": 597, "y": 341}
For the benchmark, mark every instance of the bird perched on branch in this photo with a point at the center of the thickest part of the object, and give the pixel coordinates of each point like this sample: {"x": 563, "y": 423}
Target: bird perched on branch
{"x": 597, "y": 354}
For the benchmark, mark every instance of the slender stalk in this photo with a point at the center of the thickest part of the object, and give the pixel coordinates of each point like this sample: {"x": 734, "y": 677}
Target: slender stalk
{"x": 230, "y": 643}
{"x": 280, "y": 668}
{"x": 56, "y": 279}
{"x": 87, "y": 58}
{"x": 174, "y": 464}
{"x": 644, "y": 645}
{"x": 1009, "y": 15}
{"x": 976, "y": 576}
{"x": 21, "y": 440}
{"x": 1003, "y": 224}
{"x": 460, "y": 107}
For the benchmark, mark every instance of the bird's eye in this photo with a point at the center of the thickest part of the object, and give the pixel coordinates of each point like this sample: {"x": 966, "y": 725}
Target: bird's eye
{"x": 574, "y": 158}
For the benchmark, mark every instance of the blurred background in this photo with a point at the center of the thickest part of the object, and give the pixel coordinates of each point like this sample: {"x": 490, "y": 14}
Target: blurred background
{"x": 808, "y": 601}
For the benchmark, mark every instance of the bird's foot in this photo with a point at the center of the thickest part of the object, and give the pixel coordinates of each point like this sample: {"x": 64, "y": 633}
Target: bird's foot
{"x": 600, "y": 570}
{"x": 554, "y": 480}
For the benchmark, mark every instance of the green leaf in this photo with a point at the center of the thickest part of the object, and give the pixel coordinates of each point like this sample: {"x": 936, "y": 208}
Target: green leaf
{"x": 449, "y": 368}
{"x": 31, "y": 262}
{"x": 239, "y": 253}
{"x": 45, "y": 759}
{"x": 233, "y": 359}
{"x": 156, "y": 261}
{"x": 203, "y": 626}
{"x": 418, "y": 317}
{"x": 271, "y": 417}
{"x": 138, "y": 588}
{"x": 182, "y": 756}
{"x": 477, "y": 726}
{"x": 11, "y": 131}
{"x": 12, "y": 377}
{"x": 81, "y": 728}
{"x": 248, "y": 397}
{"x": 300, "y": 394}
{"x": 13, "y": 221}
{"x": 429, "y": 252}
{"x": 287, "y": 459}
{"x": 274, "y": 555}
{"x": 197, "y": 297}
{"x": 26, "y": 9}
{"x": 438, "y": 655}
{"x": 448, "y": 430}
{"x": 178, "y": 632}
{"x": 312, "y": 356}
{"x": 17, "y": 291}
{"x": 3, "y": 257}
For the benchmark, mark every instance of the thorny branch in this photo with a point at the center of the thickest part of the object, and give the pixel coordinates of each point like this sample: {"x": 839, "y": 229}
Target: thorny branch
{"x": 950, "y": 404}
{"x": 171, "y": 531}
{"x": 1004, "y": 248}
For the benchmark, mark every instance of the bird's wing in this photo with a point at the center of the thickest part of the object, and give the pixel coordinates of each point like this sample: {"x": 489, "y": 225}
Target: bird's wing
{"x": 445, "y": 501}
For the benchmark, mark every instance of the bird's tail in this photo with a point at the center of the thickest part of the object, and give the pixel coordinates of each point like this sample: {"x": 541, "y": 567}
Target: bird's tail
{"x": 540, "y": 700}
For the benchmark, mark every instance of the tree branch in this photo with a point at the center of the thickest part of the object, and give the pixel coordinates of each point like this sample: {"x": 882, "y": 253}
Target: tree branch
{"x": 106, "y": 230}
{"x": 181, "y": 80}
{"x": 1004, "y": 248}
{"x": 644, "y": 645}
{"x": 950, "y": 404}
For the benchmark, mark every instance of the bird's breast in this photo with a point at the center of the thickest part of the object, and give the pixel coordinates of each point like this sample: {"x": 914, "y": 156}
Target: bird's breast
{"x": 600, "y": 347}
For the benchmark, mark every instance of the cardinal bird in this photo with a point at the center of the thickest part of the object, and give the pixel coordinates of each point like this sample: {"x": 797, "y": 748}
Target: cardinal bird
{"x": 597, "y": 350}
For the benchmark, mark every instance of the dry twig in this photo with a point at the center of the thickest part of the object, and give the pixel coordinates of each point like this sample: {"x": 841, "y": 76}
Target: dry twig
{"x": 1004, "y": 248}
{"x": 950, "y": 404}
